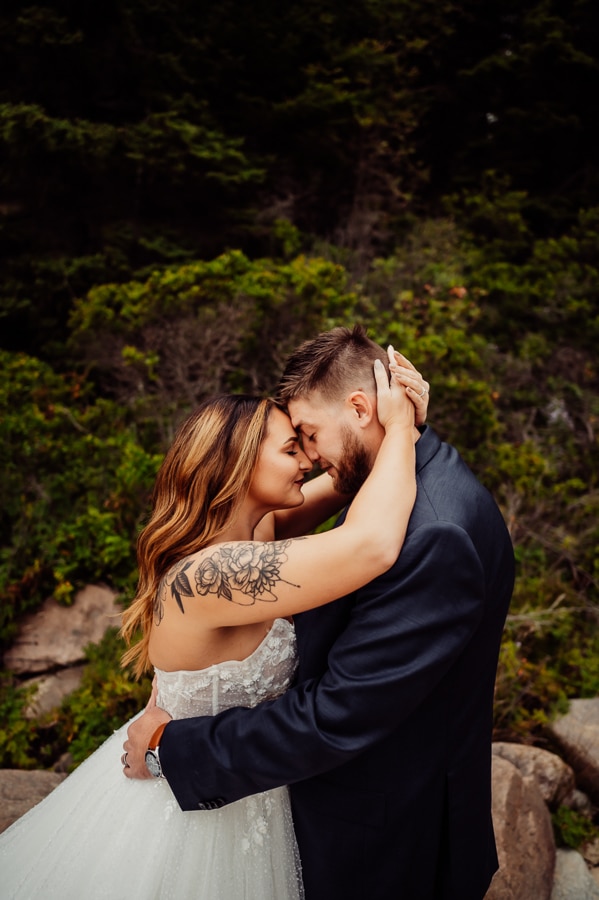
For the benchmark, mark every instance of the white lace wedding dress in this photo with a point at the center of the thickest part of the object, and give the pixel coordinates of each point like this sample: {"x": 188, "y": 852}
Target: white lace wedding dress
{"x": 100, "y": 835}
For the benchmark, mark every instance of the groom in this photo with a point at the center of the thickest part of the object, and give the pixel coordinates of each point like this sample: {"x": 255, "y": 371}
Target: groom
{"x": 385, "y": 739}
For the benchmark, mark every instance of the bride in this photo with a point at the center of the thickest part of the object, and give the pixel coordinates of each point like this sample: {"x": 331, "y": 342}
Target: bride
{"x": 222, "y": 570}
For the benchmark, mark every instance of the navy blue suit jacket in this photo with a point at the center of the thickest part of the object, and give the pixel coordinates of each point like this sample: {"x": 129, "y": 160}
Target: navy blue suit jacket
{"x": 386, "y": 737}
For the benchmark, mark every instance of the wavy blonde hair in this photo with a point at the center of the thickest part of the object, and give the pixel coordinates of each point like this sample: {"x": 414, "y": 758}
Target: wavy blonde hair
{"x": 203, "y": 480}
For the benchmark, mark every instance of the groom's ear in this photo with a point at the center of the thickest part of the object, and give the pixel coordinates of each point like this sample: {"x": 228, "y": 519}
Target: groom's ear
{"x": 362, "y": 408}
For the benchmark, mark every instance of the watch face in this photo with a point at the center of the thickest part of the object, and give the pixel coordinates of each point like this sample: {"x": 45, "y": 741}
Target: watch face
{"x": 153, "y": 764}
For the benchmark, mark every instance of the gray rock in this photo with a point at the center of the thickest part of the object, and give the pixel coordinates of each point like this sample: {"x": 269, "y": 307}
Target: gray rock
{"x": 579, "y": 802}
{"x": 56, "y": 635}
{"x": 572, "y": 879}
{"x": 20, "y": 790}
{"x": 590, "y": 851}
{"x": 525, "y": 843}
{"x": 554, "y": 777}
{"x": 578, "y": 736}
{"x": 51, "y": 690}
{"x": 64, "y": 763}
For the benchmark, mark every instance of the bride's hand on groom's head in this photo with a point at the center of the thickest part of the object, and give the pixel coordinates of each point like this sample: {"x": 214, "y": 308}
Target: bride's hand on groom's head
{"x": 393, "y": 405}
{"x": 417, "y": 389}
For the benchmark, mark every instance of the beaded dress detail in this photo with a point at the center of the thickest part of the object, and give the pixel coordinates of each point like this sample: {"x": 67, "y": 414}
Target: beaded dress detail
{"x": 101, "y": 835}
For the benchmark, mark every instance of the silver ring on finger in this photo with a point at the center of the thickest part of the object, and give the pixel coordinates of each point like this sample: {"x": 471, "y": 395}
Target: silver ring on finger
{"x": 423, "y": 392}
{"x": 124, "y": 760}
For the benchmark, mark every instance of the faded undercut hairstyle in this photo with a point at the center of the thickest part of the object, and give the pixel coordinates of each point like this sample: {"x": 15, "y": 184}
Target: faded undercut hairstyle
{"x": 333, "y": 363}
{"x": 202, "y": 482}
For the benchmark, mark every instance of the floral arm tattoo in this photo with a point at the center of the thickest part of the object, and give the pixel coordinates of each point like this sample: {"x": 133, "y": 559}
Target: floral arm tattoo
{"x": 177, "y": 582}
{"x": 247, "y": 568}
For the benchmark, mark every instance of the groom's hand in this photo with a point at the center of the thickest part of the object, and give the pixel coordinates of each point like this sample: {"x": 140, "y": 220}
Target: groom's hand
{"x": 139, "y": 735}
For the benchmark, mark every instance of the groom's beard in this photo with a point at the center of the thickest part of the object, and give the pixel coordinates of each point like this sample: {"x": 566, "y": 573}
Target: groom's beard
{"x": 354, "y": 467}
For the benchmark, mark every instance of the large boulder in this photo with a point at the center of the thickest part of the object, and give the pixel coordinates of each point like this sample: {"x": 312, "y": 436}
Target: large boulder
{"x": 55, "y": 636}
{"x": 577, "y": 734}
{"x": 554, "y": 777}
{"x": 590, "y": 852}
{"x": 20, "y": 790}
{"x": 572, "y": 879}
{"x": 525, "y": 842}
{"x": 50, "y": 690}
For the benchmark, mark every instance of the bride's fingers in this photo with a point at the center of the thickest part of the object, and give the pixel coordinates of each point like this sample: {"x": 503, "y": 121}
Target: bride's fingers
{"x": 418, "y": 394}
{"x": 402, "y": 360}
{"x": 410, "y": 378}
{"x": 417, "y": 389}
{"x": 391, "y": 363}
{"x": 407, "y": 372}
{"x": 420, "y": 400}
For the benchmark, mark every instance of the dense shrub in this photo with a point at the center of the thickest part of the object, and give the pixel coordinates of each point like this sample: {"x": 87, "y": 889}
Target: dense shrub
{"x": 75, "y": 487}
{"x": 82, "y": 449}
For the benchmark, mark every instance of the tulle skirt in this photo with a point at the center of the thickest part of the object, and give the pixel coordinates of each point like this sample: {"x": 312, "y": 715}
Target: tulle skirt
{"x": 100, "y": 835}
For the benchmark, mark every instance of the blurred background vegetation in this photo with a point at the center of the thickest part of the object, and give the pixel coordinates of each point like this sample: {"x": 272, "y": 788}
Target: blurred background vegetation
{"x": 189, "y": 190}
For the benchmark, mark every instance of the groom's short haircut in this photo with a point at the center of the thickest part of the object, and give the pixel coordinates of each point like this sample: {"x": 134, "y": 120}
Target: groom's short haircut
{"x": 333, "y": 363}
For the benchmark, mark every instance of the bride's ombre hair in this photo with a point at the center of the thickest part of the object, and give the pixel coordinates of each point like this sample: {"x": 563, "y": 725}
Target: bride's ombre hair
{"x": 202, "y": 482}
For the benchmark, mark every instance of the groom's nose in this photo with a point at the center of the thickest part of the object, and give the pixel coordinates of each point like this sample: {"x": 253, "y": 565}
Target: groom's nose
{"x": 312, "y": 454}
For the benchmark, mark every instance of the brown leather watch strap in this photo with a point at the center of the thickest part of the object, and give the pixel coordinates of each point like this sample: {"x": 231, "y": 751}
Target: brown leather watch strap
{"x": 155, "y": 739}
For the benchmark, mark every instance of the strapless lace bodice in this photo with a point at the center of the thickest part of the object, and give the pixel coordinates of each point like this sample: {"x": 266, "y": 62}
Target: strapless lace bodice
{"x": 264, "y": 674}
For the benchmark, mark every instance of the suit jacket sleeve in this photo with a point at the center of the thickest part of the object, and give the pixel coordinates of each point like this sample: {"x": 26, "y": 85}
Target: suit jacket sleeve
{"x": 406, "y": 629}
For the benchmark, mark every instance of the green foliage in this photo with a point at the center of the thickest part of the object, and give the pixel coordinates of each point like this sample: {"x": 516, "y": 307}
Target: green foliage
{"x": 572, "y": 829}
{"x": 523, "y": 417}
{"x": 188, "y": 194}
{"x": 135, "y": 134}
{"x": 17, "y": 733}
{"x": 194, "y": 330}
{"x": 550, "y": 285}
{"x": 77, "y": 483}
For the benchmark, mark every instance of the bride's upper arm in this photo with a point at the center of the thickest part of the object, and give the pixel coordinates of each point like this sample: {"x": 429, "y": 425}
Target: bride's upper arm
{"x": 244, "y": 582}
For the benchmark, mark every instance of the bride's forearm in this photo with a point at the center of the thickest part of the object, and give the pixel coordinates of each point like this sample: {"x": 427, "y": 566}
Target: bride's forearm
{"x": 382, "y": 507}
{"x": 321, "y": 502}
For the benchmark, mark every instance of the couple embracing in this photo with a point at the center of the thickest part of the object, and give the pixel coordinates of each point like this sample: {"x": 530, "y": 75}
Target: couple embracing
{"x": 322, "y": 715}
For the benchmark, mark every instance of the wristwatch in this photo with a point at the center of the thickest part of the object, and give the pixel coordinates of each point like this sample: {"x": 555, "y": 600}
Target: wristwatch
{"x": 152, "y": 758}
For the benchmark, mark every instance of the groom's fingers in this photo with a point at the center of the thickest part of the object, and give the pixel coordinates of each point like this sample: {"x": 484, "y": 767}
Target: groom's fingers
{"x": 139, "y": 734}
